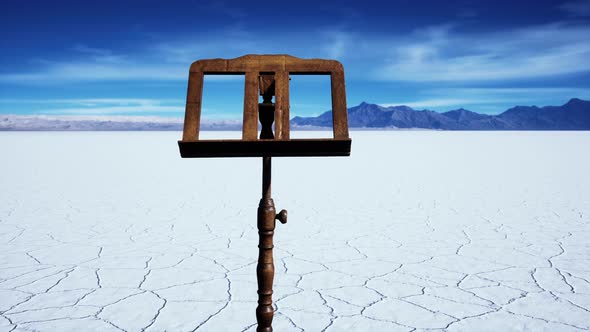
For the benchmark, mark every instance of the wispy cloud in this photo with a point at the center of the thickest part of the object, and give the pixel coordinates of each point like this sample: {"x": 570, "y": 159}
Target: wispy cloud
{"x": 118, "y": 107}
{"x": 492, "y": 100}
{"x": 91, "y": 101}
{"x": 98, "y": 71}
{"x": 444, "y": 54}
{"x": 511, "y": 91}
{"x": 91, "y": 50}
{"x": 580, "y": 8}
{"x": 84, "y": 63}
{"x": 169, "y": 60}
{"x": 115, "y": 110}
{"x": 337, "y": 43}
{"x": 116, "y": 118}
{"x": 100, "y": 106}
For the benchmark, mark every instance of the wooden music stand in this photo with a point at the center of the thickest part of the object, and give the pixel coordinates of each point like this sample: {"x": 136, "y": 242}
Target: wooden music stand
{"x": 267, "y": 76}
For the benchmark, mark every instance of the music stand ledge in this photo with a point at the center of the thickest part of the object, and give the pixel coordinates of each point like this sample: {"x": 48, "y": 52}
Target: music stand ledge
{"x": 260, "y": 148}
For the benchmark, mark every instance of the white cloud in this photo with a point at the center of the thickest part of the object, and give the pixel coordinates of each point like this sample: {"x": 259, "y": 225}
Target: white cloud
{"x": 91, "y": 101}
{"x": 98, "y": 71}
{"x": 443, "y": 54}
{"x": 116, "y": 118}
{"x": 337, "y": 43}
{"x": 115, "y": 109}
{"x": 104, "y": 106}
{"x": 510, "y": 91}
{"x": 491, "y": 100}
{"x": 169, "y": 60}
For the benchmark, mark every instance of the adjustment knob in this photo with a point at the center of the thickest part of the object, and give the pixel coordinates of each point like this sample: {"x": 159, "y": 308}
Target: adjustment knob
{"x": 282, "y": 216}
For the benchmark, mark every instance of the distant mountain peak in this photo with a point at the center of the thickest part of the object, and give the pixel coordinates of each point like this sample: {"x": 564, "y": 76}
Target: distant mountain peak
{"x": 464, "y": 115}
{"x": 577, "y": 102}
{"x": 365, "y": 105}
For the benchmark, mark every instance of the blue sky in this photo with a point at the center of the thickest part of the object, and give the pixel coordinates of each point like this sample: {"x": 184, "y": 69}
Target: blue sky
{"x": 113, "y": 58}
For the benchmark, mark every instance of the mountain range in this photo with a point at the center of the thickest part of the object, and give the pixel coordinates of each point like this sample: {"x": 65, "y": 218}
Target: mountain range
{"x": 573, "y": 115}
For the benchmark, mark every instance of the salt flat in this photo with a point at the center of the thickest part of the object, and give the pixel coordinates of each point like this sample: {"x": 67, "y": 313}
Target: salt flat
{"x": 418, "y": 230}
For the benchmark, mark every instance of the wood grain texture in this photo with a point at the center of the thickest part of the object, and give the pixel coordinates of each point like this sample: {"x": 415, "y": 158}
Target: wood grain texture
{"x": 209, "y": 65}
{"x": 192, "y": 113}
{"x": 265, "y": 269}
{"x": 258, "y": 70}
{"x": 266, "y": 63}
{"x": 250, "y": 124}
{"x": 339, "y": 111}
{"x": 282, "y": 105}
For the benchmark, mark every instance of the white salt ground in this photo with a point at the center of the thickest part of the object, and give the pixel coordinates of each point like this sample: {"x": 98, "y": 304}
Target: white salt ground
{"x": 418, "y": 230}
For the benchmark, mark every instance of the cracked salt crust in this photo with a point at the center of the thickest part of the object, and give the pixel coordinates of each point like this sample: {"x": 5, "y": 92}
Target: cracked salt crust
{"x": 459, "y": 231}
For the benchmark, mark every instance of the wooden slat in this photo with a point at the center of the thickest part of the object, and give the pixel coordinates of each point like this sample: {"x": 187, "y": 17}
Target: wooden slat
{"x": 250, "y": 124}
{"x": 272, "y": 63}
{"x": 282, "y": 105}
{"x": 279, "y": 87}
{"x": 246, "y": 63}
{"x": 268, "y": 63}
{"x": 339, "y": 112}
{"x": 286, "y": 116}
{"x": 192, "y": 114}
{"x": 210, "y": 65}
{"x": 315, "y": 66}
{"x": 260, "y": 63}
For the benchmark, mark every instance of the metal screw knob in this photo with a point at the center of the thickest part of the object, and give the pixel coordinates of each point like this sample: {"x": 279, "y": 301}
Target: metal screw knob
{"x": 282, "y": 216}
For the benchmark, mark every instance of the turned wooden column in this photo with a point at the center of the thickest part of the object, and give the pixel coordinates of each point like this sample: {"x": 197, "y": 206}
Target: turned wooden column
{"x": 265, "y": 270}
